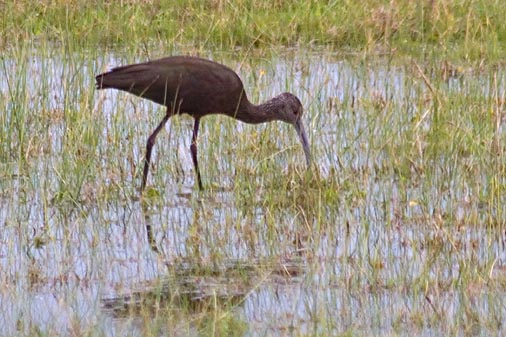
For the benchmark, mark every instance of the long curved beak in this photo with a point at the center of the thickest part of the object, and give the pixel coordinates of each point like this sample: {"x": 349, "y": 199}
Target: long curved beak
{"x": 303, "y": 139}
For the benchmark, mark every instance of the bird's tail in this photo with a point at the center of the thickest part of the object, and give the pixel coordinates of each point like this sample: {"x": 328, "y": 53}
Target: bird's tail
{"x": 121, "y": 78}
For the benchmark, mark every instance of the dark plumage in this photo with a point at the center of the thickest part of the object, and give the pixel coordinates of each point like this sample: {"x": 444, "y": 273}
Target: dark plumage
{"x": 199, "y": 87}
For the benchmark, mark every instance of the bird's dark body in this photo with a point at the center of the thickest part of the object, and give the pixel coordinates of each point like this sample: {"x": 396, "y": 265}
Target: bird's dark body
{"x": 199, "y": 87}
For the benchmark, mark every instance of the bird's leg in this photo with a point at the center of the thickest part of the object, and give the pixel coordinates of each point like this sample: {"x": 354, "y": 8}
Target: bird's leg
{"x": 193, "y": 149}
{"x": 149, "y": 147}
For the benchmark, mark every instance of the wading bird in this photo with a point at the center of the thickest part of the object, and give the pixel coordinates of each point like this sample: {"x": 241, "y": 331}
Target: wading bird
{"x": 199, "y": 87}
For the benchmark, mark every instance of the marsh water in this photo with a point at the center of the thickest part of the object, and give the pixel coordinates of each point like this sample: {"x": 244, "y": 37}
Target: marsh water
{"x": 397, "y": 229}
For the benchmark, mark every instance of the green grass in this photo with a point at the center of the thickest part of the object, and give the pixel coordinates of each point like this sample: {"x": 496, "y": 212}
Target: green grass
{"x": 472, "y": 30}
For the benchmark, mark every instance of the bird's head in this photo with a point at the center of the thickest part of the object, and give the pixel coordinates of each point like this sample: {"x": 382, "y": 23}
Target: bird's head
{"x": 290, "y": 111}
{"x": 289, "y": 107}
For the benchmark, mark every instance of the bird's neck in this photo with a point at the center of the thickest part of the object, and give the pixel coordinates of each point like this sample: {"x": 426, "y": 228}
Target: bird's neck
{"x": 255, "y": 114}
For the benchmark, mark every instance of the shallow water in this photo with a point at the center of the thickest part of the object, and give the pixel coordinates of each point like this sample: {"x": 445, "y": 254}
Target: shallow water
{"x": 386, "y": 256}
